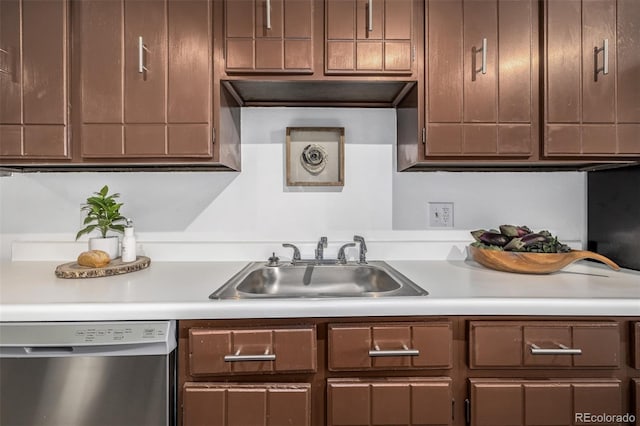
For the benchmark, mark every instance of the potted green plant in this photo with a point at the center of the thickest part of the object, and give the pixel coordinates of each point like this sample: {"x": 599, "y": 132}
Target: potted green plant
{"x": 103, "y": 214}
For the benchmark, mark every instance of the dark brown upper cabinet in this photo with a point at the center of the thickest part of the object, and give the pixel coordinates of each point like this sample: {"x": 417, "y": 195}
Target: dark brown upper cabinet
{"x": 144, "y": 75}
{"x": 33, "y": 80}
{"x": 480, "y": 80}
{"x": 592, "y": 89}
{"x": 369, "y": 37}
{"x": 268, "y": 36}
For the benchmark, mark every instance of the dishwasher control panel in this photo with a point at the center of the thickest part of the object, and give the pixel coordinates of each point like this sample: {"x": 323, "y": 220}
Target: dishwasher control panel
{"x": 84, "y": 333}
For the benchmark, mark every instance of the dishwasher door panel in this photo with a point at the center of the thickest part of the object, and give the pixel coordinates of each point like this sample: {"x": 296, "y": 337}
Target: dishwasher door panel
{"x": 87, "y": 391}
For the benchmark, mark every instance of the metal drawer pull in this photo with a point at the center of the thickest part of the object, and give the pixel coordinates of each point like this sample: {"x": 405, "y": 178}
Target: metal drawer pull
{"x": 399, "y": 352}
{"x": 268, "y": 5}
{"x": 484, "y": 56}
{"x": 5, "y": 70}
{"x": 258, "y": 357}
{"x": 605, "y": 54}
{"x": 562, "y": 350}
{"x": 605, "y": 58}
{"x": 141, "y": 49}
{"x": 370, "y": 28}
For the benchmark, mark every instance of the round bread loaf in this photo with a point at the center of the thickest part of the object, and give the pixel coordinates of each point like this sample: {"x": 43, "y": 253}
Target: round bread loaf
{"x": 94, "y": 259}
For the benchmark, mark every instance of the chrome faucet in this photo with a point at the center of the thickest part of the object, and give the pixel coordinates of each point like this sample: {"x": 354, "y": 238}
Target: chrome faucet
{"x": 342, "y": 258}
{"x": 363, "y": 248}
{"x": 296, "y": 253}
{"x": 322, "y": 244}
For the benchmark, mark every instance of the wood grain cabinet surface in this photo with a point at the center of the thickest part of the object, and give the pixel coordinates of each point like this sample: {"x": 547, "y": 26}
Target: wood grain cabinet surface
{"x": 390, "y": 346}
{"x": 369, "y": 36}
{"x": 264, "y": 350}
{"x": 592, "y": 101}
{"x": 33, "y": 79}
{"x": 222, "y": 404}
{"x": 533, "y": 402}
{"x": 394, "y": 401}
{"x": 480, "y": 79}
{"x": 513, "y": 344}
{"x": 635, "y": 345}
{"x": 268, "y": 36}
{"x": 145, "y": 78}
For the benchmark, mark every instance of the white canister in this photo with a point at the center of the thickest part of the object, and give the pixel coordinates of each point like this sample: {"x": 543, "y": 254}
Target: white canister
{"x": 128, "y": 243}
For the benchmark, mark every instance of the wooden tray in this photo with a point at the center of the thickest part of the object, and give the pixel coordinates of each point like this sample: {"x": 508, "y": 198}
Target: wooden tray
{"x": 116, "y": 267}
{"x": 533, "y": 263}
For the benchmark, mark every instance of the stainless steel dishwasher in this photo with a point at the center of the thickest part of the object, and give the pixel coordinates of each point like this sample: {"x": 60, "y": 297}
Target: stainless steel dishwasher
{"x": 87, "y": 373}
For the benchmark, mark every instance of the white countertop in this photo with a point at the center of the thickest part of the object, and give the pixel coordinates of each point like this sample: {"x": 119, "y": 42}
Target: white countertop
{"x": 29, "y": 291}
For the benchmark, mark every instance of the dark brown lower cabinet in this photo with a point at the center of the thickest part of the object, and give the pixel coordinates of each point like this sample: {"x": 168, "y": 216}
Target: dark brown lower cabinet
{"x": 514, "y": 402}
{"x": 221, "y": 404}
{"x": 409, "y": 371}
{"x": 386, "y": 401}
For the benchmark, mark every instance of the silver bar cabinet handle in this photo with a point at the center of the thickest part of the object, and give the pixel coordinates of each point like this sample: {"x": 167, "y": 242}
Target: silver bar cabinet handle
{"x": 257, "y": 357}
{"x": 562, "y": 350}
{"x": 141, "y": 49}
{"x": 268, "y": 5}
{"x": 484, "y": 56}
{"x": 377, "y": 352}
{"x": 5, "y": 70}
{"x": 370, "y": 28}
{"x": 605, "y": 54}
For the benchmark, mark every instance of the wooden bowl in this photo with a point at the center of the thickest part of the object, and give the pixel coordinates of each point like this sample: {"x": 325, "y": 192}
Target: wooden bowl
{"x": 532, "y": 263}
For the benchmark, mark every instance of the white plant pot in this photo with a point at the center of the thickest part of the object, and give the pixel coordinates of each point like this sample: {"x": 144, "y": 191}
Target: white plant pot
{"x": 110, "y": 245}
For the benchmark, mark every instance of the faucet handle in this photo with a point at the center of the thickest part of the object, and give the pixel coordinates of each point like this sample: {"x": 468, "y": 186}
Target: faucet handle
{"x": 342, "y": 258}
{"x": 273, "y": 260}
{"x": 363, "y": 248}
{"x": 296, "y": 252}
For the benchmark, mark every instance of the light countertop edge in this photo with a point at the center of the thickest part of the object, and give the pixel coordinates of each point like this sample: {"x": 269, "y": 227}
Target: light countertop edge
{"x": 29, "y": 291}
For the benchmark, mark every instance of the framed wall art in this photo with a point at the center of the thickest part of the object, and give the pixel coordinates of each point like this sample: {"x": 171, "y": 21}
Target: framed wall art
{"x": 315, "y": 156}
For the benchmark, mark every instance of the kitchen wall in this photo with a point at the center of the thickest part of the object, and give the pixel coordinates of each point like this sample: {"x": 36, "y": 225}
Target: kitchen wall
{"x": 256, "y": 205}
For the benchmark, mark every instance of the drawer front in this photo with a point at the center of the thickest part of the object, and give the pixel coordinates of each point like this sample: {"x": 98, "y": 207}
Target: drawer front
{"x": 246, "y": 404}
{"x": 390, "y": 346}
{"x": 544, "y": 344}
{"x": 541, "y": 402}
{"x": 269, "y": 350}
{"x": 407, "y": 401}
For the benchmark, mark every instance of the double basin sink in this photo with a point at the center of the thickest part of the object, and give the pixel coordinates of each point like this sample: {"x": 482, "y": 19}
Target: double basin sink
{"x": 258, "y": 280}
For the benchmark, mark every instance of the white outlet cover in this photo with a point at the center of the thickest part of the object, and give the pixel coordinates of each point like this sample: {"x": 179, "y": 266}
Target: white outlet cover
{"x": 441, "y": 214}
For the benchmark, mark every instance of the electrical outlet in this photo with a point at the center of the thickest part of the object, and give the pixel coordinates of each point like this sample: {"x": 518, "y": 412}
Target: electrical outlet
{"x": 441, "y": 215}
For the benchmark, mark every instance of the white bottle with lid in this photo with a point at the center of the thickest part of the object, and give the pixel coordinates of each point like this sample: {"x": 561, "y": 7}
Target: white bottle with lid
{"x": 128, "y": 243}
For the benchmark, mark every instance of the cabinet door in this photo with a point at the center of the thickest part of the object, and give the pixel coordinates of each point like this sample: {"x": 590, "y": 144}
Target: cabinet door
{"x": 145, "y": 78}
{"x": 480, "y": 81}
{"x": 544, "y": 344}
{"x": 269, "y": 36}
{"x": 33, "y": 79}
{"x": 497, "y": 402}
{"x": 591, "y": 105}
{"x": 369, "y": 36}
{"x": 269, "y": 350}
{"x": 393, "y": 401}
{"x": 390, "y": 346}
{"x": 218, "y": 404}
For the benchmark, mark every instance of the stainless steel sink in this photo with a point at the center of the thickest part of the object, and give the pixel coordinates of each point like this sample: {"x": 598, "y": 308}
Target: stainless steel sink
{"x": 374, "y": 279}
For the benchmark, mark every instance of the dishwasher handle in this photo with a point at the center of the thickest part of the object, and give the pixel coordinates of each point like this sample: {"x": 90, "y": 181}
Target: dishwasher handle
{"x": 135, "y": 349}
{"x": 48, "y": 350}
